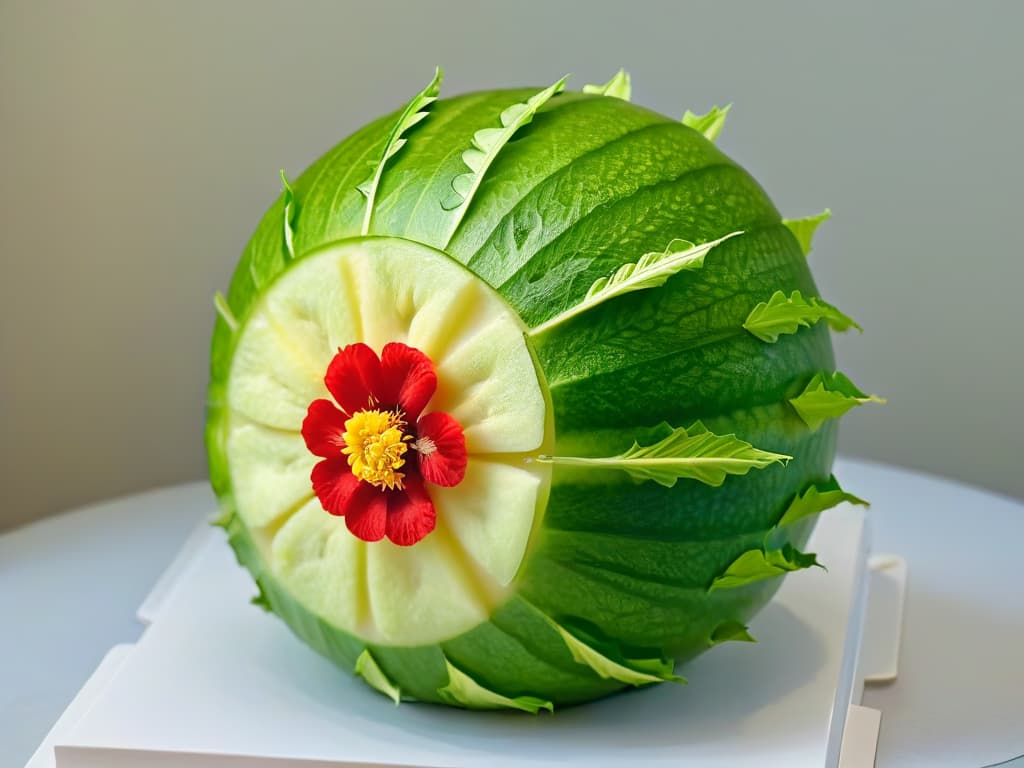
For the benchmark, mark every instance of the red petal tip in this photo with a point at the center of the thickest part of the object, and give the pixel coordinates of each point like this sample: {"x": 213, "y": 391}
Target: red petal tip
{"x": 408, "y": 378}
{"x": 411, "y": 514}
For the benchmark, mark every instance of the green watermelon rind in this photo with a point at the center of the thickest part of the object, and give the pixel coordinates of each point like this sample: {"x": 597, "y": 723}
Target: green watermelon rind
{"x": 630, "y": 564}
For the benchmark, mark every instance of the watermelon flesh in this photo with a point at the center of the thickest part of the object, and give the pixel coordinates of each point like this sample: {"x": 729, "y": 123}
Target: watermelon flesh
{"x": 457, "y": 576}
{"x": 617, "y": 319}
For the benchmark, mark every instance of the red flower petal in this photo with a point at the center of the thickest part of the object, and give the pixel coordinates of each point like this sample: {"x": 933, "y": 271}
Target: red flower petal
{"x": 353, "y": 377}
{"x": 322, "y": 429}
{"x": 411, "y": 514}
{"x": 367, "y": 513}
{"x": 442, "y": 449}
{"x": 341, "y": 493}
{"x": 335, "y": 485}
{"x": 408, "y": 378}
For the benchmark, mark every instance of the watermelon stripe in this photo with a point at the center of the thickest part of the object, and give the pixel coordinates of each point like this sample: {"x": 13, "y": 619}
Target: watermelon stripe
{"x": 622, "y": 140}
{"x": 692, "y": 511}
{"x": 694, "y": 345}
{"x": 655, "y": 537}
{"x": 401, "y": 228}
{"x": 319, "y": 189}
{"x": 695, "y": 581}
{"x": 614, "y": 604}
{"x": 621, "y": 160}
{"x": 537, "y": 631}
{"x": 562, "y": 680}
{"x": 785, "y": 415}
{"x": 485, "y": 147}
{"x": 640, "y": 326}
{"x": 419, "y": 671}
{"x": 625, "y": 582}
{"x": 636, "y": 611}
{"x": 565, "y": 130}
{"x": 711, "y": 381}
{"x": 392, "y": 215}
{"x": 562, "y": 272}
{"x": 607, "y": 210}
{"x": 618, "y": 341}
{"x": 501, "y": 280}
{"x": 336, "y": 189}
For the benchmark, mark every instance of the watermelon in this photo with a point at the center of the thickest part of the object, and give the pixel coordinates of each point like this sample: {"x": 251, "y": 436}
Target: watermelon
{"x": 524, "y": 397}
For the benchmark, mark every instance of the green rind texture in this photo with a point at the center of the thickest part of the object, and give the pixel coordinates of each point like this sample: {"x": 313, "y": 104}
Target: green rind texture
{"x": 590, "y": 184}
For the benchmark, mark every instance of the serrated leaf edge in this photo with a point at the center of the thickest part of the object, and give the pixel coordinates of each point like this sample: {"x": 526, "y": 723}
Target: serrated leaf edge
{"x": 649, "y": 271}
{"x": 604, "y": 667}
{"x": 775, "y": 562}
{"x": 815, "y": 499}
{"x": 485, "y": 146}
{"x": 644, "y": 462}
{"x": 786, "y": 558}
{"x": 463, "y": 690}
{"x": 845, "y": 394}
{"x": 815, "y": 310}
{"x": 803, "y": 229}
{"x": 619, "y": 87}
{"x": 414, "y": 112}
{"x": 367, "y": 668}
{"x": 710, "y": 123}
{"x": 260, "y": 599}
{"x": 730, "y": 631}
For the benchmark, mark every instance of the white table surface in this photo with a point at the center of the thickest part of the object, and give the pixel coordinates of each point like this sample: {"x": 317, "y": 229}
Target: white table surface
{"x": 70, "y": 585}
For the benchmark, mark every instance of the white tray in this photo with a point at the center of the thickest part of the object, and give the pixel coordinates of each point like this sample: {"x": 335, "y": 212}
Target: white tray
{"x": 215, "y": 682}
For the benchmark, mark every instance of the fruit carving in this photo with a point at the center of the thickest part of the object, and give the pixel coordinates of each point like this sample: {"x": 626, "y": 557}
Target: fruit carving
{"x": 521, "y": 397}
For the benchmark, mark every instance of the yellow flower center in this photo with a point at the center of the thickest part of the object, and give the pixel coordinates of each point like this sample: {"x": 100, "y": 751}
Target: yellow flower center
{"x": 375, "y": 445}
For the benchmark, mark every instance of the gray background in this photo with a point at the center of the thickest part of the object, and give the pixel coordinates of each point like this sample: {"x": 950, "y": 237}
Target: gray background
{"x": 141, "y": 143}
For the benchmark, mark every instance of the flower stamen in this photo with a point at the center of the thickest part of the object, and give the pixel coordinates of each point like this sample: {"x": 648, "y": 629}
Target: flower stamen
{"x": 425, "y": 446}
{"x": 375, "y": 444}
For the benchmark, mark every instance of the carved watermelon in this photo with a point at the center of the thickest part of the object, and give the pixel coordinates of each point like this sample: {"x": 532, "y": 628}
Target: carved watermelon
{"x": 522, "y": 397}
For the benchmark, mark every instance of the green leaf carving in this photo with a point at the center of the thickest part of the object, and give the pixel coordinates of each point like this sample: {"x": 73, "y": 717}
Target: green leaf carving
{"x": 757, "y": 564}
{"x": 803, "y": 229}
{"x": 828, "y": 396}
{"x": 223, "y": 520}
{"x": 619, "y": 87}
{"x": 650, "y": 271}
{"x": 414, "y": 111}
{"x": 815, "y": 499}
{"x": 693, "y": 453}
{"x": 260, "y": 600}
{"x": 220, "y": 303}
{"x": 731, "y": 630}
{"x": 768, "y": 320}
{"x": 289, "y": 217}
{"x": 630, "y": 671}
{"x": 464, "y": 691}
{"x": 368, "y": 669}
{"x": 486, "y": 144}
{"x": 709, "y": 124}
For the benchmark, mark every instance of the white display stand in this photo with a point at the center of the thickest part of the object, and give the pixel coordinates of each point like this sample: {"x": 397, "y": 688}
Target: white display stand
{"x": 216, "y": 683}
